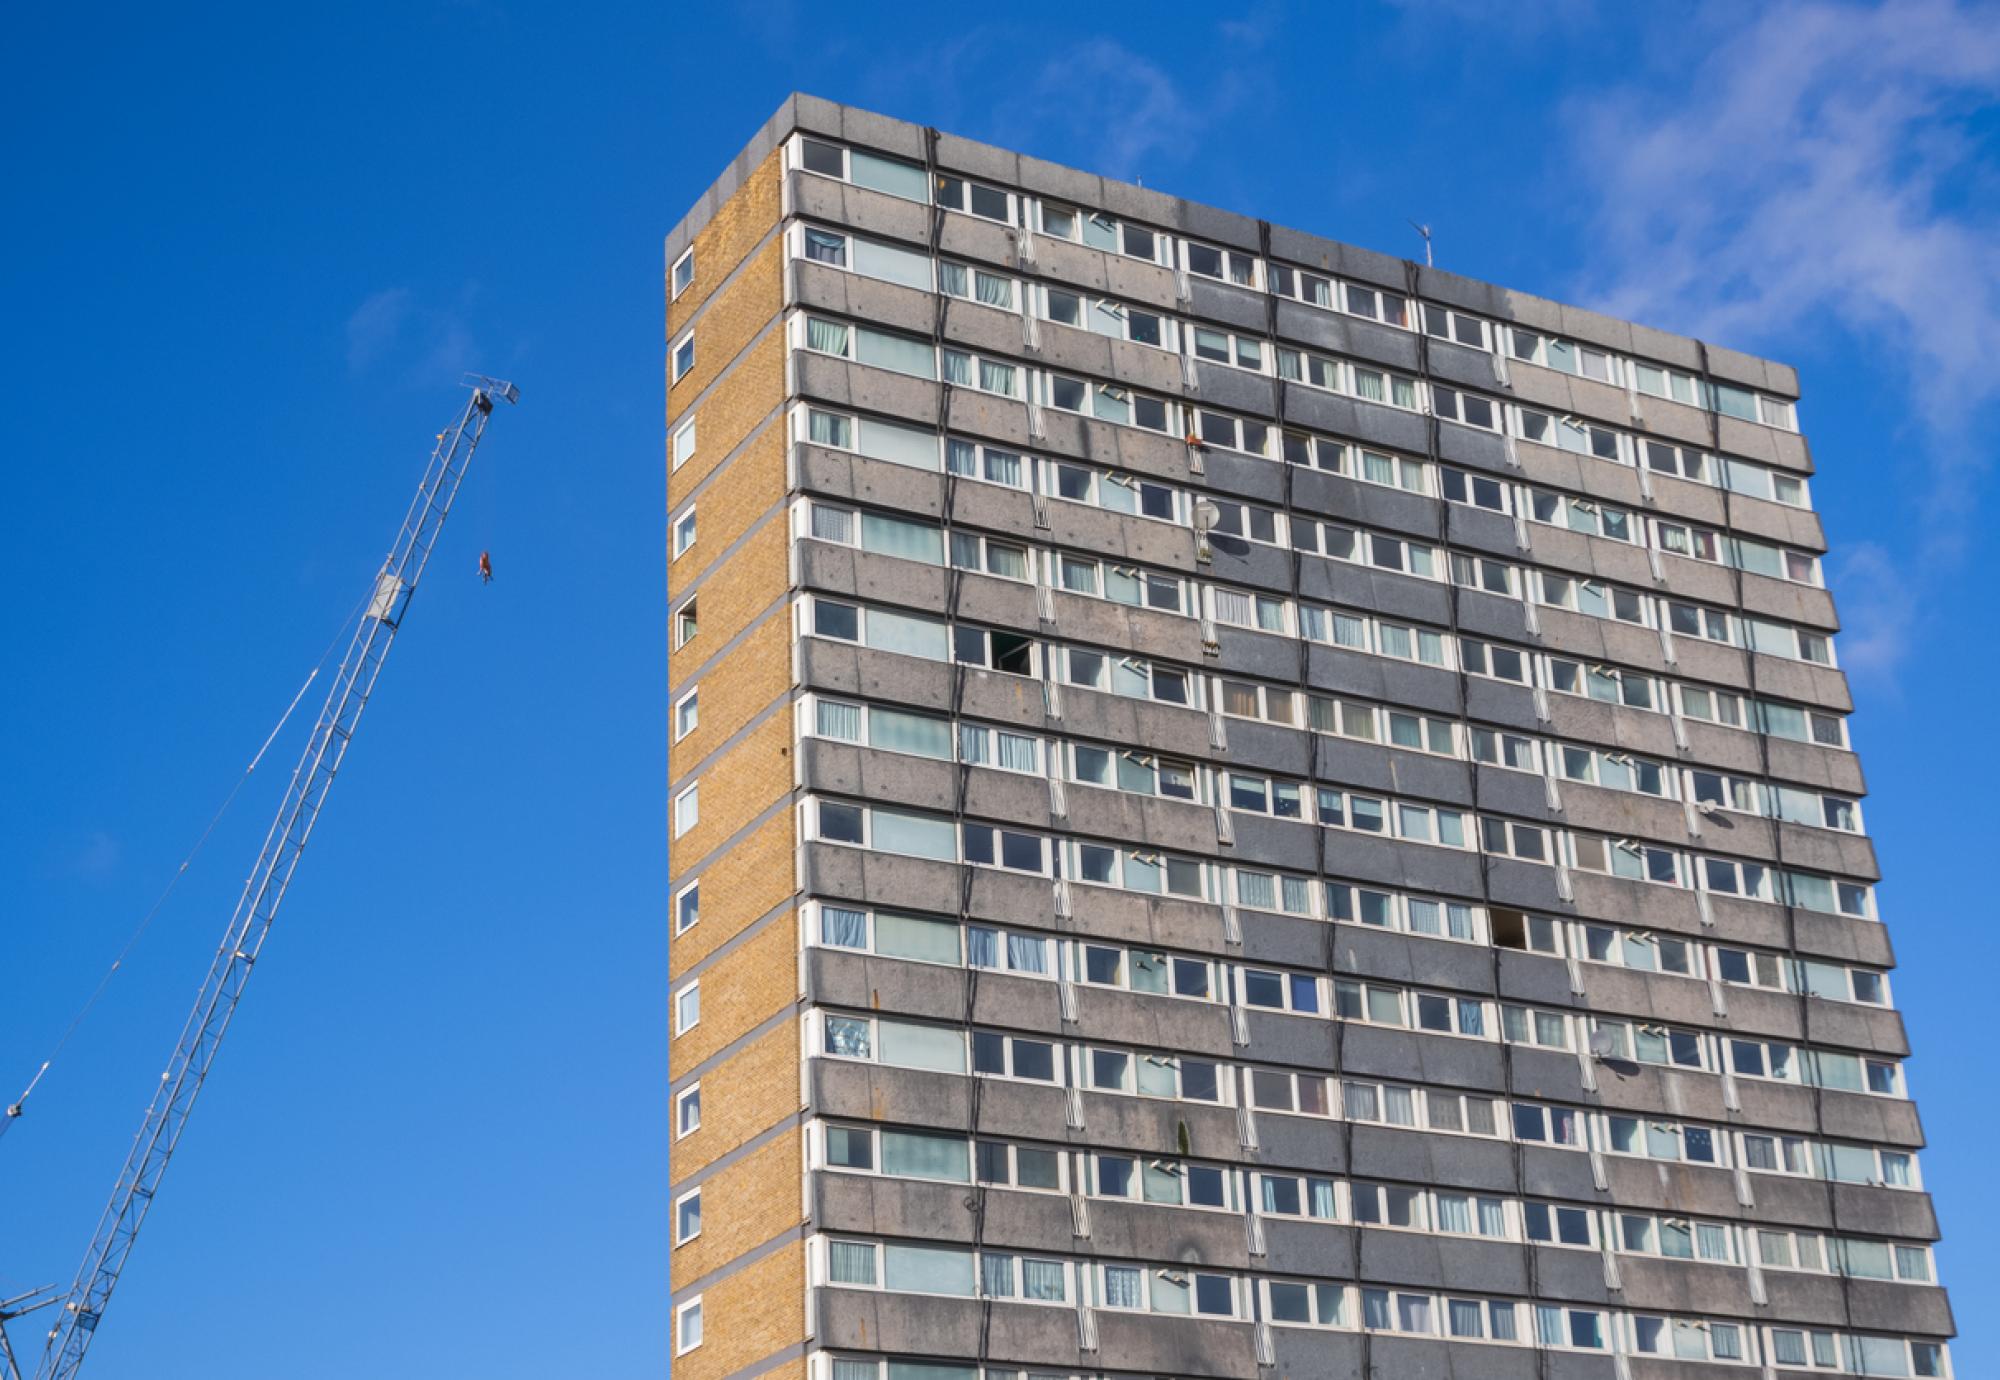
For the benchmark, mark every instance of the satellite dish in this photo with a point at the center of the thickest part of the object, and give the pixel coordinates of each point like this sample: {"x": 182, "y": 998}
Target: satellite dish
{"x": 1602, "y": 1044}
{"x": 1206, "y": 515}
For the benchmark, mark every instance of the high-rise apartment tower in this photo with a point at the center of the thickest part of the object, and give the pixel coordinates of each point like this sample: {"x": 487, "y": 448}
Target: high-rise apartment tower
{"x": 1243, "y": 807}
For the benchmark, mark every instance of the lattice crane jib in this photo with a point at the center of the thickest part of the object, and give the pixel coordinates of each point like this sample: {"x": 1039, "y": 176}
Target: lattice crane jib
{"x": 305, "y": 796}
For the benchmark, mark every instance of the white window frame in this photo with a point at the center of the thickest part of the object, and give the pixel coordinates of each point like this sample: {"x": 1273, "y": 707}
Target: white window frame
{"x": 684, "y": 524}
{"x": 691, "y": 1196}
{"x": 687, "y": 622}
{"x": 684, "y": 443}
{"x": 693, "y": 889}
{"x": 687, "y": 810}
{"x": 688, "y": 1098}
{"x": 682, "y": 1346}
{"x": 681, "y": 371}
{"x": 681, "y": 1024}
{"x": 682, "y": 282}
{"x": 683, "y": 724}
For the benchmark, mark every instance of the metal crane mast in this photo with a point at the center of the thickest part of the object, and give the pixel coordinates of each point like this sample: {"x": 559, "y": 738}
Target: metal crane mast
{"x": 305, "y": 796}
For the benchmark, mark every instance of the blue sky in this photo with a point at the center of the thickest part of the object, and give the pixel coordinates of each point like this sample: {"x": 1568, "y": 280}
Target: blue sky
{"x": 252, "y": 247}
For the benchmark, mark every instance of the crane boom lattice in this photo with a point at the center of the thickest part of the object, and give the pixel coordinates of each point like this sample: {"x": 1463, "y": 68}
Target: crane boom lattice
{"x": 305, "y": 796}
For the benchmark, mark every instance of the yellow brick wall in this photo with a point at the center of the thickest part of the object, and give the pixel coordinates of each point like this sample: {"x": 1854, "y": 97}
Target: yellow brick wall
{"x": 739, "y": 223}
{"x": 746, "y": 489}
{"x": 735, "y": 691}
{"x": 740, "y": 991}
{"x": 760, "y": 1311}
{"x": 747, "y": 394}
{"x": 729, "y": 322}
{"x": 736, "y": 887}
{"x": 742, "y": 587}
{"x": 749, "y": 1315}
{"x": 744, "y": 1206}
{"x": 743, "y": 1096}
{"x": 737, "y": 787}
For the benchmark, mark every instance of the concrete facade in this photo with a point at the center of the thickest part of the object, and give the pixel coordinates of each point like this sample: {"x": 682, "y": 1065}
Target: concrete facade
{"x": 1243, "y": 807}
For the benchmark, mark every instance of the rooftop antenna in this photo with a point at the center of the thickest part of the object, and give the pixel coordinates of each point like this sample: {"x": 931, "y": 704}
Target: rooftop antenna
{"x": 1425, "y": 231}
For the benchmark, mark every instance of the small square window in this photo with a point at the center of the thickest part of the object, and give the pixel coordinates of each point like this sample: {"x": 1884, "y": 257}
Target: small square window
{"x": 687, "y": 908}
{"x": 683, "y": 272}
{"x": 687, "y": 622}
{"x": 687, "y": 1008}
{"x": 687, "y": 1111}
{"x": 684, "y": 443}
{"x": 683, "y": 356}
{"x": 683, "y": 533}
{"x": 687, "y": 1217}
{"x": 687, "y": 809}
{"x": 687, "y": 714}
{"x": 687, "y": 1327}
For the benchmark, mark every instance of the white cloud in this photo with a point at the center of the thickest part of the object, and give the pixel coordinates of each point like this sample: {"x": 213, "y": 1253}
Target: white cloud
{"x": 1126, "y": 108}
{"x": 422, "y": 341}
{"x": 374, "y": 325}
{"x": 1812, "y": 177}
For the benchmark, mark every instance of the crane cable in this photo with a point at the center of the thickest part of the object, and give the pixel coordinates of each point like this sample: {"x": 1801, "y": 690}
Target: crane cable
{"x": 18, "y": 1106}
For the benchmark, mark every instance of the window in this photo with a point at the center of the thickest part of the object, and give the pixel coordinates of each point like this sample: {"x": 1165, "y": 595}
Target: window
{"x": 1585, "y": 515}
{"x": 1111, "y": 318}
{"x": 1572, "y": 434}
{"x": 1618, "y": 771}
{"x": 975, "y": 198}
{"x": 687, "y": 1326}
{"x": 1107, "y": 402}
{"x": 1229, "y": 265}
{"x": 964, "y": 370}
{"x": 683, "y": 532}
{"x": 1593, "y": 598}
{"x": 1213, "y": 428}
{"x": 976, "y": 285}
{"x": 1609, "y": 684}
{"x": 1521, "y": 1025}
{"x": 687, "y": 1008}
{"x": 1651, "y": 953}
{"x": 1467, "y": 409}
{"x": 1373, "y": 635}
{"x": 1477, "y": 490}
{"x": 684, "y": 443}
{"x": 1246, "y": 522}
{"x": 687, "y": 809}
{"x": 683, "y": 272}
{"x": 1129, "y": 676}
{"x": 1544, "y": 1125}
{"x": 1293, "y": 1195}
{"x": 1356, "y": 462}
{"x": 1121, "y": 584}
{"x": 1100, "y": 231}
{"x": 687, "y": 1111}
{"x": 683, "y": 356}
{"x": 1118, "y": 492}
{"x": 989, "y": 463}
{"x": 687, "y": 907}
{"x": 1661, "y": 1140}
{"x": 687, "y": 622}
{"x": 1566, "y": 356}
{"x": 863, "y": 169}
{"x": 1635, "y": 861}
{"x": 1140, "y": 773}
{"x": 1263, "y": 612}
{"x": 1447, "y": 324}
{"x": 687, "y": 714}
{"x": 1227, "y": 347}
{"x": 687, "y": 1218}
{"x": 1338, "y": 542}
{"x": 1492, "y": 660}
{"x": 1550, "y": 1224}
